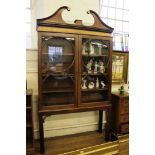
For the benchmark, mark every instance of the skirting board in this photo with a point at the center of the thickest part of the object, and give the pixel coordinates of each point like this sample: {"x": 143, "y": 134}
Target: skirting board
{"x": 68, "y": 130}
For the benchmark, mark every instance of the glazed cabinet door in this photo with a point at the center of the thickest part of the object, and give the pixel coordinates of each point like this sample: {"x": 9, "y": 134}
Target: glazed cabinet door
{"x": 58, "y": 70}
{"x": 95, "y": 70}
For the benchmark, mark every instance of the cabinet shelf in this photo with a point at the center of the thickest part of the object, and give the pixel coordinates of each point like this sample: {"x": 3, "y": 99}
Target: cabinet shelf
{"x": 57, "y": 74}
{"x": 93, "y": 90}
{"x": 95, "y": 55}
{"x": 92, "y": 74}
{"x": 29, "y": 125}
{"x": 57, "y": 91}
{"x": 64, "y": 54}
{"x": 27, "y": 107}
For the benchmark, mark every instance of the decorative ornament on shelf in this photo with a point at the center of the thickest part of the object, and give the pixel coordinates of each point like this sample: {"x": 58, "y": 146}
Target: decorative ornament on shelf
{"x": 89, "y": 66}
{"x": 95, "y": 67}
{"x": 100, "y": 49}
{"x": 83, "y": 86}
{"x": 101, "y": 67}
{"x": 121, "y": 89}
{"x": 91, "y": 47}
{"x": 97, "y": 83}
{"x": 103, "y": 84}
{"x": 91, "y": 85}
{"x": 84, "y": 50}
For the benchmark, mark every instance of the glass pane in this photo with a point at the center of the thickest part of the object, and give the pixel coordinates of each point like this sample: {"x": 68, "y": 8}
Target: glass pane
{"x": 104, "y": 12}
{"x": 105, "y": 2}
{"x": 58, "y": 70}
{"x": 118, "y": 26}
{"x": 111, "y": 13}
{"x": 28, "y": 28}
{"x": 119, "y": 4}
{"x": 126, "y": 15}
{"x": 112, "y": 3}
{"x": 119, "y": 14}
{"x": 125, "y": 42}
{"x": 111, "y": 23}
{"x": 28, "y": 2}
{"x": 105, "y": 20}
{"x": 117, "y": 42}
{"x": 28, "y": 40}
{"x": 28, "y": 15}
{"x": 126, "y": 4}
{"x": 125, "y": 26}
{"x": 94, "y": 70}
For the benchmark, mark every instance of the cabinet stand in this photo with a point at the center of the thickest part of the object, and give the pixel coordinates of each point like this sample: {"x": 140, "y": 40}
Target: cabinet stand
{"x": 107, "y": 110}
{"x": 41, "y": 134}
{"x": 100, "y": 121}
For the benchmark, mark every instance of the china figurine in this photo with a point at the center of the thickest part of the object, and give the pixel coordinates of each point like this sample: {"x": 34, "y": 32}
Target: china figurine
{"x": 91, "y": 47}
{"x": 84, "y": 50}
{"x": 103, "y": 84}
{"x": 97, "y": 83}
{"x": 95, "y": 67}
{"x": 89, "y": 66}
{"x": 83, "y": 86}
{"x": 100, "y": 49}
{"x": 101, "y": 67}
{"x": 91, "y": 85}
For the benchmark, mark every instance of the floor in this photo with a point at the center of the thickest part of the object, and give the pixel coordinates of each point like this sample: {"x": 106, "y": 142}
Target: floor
{"x": 59, "y": 145}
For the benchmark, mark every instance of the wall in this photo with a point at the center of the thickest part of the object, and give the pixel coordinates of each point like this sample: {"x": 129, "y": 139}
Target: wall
{"x": 67, "y": 123}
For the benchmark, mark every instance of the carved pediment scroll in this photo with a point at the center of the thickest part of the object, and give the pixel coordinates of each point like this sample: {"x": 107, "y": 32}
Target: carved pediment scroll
{"x": 56, "y": 20}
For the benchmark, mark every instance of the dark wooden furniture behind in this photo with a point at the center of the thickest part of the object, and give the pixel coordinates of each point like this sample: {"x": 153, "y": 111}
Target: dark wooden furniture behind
{"x": 74, "y": 64}
{"x": 29, "y": 123}
{"x": 120, "y": 113}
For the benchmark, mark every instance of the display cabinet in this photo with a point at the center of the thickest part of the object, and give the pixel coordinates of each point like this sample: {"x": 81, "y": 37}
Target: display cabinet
{"x": 74, "y": 64}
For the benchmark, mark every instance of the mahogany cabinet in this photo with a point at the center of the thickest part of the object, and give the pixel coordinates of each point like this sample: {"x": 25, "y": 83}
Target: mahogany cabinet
{"x": 29, "y": 123}
{"x": 74, "y": 67}
{"x": 120, "y": 113}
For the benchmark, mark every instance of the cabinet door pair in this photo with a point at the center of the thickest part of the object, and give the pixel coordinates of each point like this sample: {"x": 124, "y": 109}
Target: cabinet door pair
{"x": 74, "y": 70}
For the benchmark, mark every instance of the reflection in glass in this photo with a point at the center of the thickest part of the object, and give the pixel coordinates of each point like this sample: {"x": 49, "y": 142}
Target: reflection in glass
{"x": 58, "y": 54}
{"x": 55, "y": 54}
